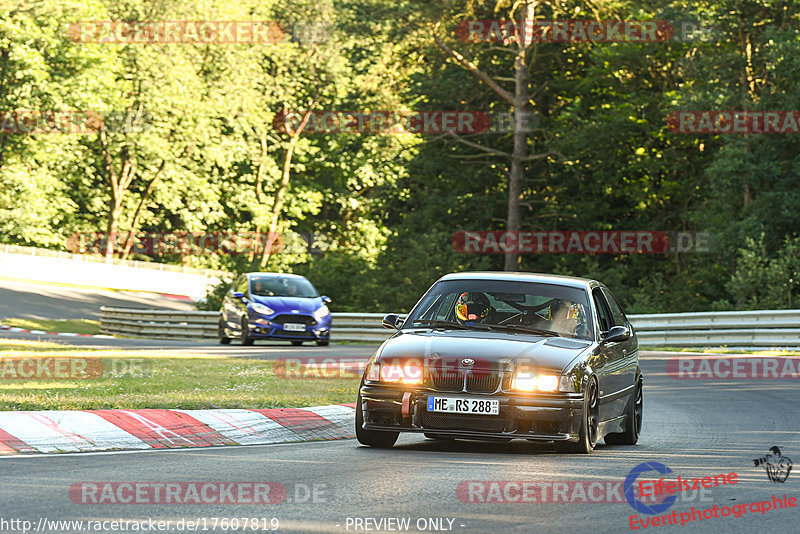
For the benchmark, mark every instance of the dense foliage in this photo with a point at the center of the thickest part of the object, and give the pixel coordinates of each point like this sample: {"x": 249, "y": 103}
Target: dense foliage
{"x": 190, "y": 144}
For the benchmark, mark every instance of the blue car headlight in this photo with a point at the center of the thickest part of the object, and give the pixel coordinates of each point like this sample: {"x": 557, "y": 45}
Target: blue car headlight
{"x": 321, "y": 313}
{"x": 260, "y": 308}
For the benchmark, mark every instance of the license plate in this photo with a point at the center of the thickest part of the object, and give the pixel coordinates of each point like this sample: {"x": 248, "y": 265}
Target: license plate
{"x": 294, "y": 327}
{"x": 460, "y": 405}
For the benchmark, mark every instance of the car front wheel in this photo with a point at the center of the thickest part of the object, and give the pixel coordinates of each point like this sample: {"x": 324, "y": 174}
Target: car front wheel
{"x": 223, "y": 339}
{"x": 587, "y": 436}
{"x": 246, "y": 339}
{"x": 372, "y": 438}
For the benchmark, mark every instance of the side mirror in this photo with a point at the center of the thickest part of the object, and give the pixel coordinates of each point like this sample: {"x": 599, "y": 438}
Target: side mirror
{"x": 392, "y": 321}
{"x": 237, "y": 295}
{"x": 617, "y": 334}
{"x": 326, "y": 300}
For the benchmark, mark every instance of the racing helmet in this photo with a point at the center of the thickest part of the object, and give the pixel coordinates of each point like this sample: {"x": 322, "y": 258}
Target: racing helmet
{"x": 472, "y": 307}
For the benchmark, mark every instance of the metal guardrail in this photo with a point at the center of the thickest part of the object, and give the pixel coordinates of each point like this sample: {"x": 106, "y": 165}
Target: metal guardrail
{"x": 158, "y": 324}
{"x": 761, "y": 328}
{"x": 765, "y": 328}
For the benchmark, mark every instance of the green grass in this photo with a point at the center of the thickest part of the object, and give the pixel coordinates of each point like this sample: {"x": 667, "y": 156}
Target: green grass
{"x": 77, "y": 326}
{"x": 162, "y": 379}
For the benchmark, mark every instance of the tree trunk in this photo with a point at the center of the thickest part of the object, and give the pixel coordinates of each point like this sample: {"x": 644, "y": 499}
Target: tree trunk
{"x": 113, "y": 225}
{"x": 118, "y": 184}
{"x": 137, "y": 214}
{"x": 262, "y": 169}
{"x": 520, "y": 152}
{"x": 280, "y": 194}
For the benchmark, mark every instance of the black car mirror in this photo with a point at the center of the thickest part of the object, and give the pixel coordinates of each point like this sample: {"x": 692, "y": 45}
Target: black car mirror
{"x": 392, "y": 321}
{"x": 617, "y": 334}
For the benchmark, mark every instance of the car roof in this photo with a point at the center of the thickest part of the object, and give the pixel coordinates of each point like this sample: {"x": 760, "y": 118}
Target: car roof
{"x": 570, "y": 281}
{"x": 275, "y": 275}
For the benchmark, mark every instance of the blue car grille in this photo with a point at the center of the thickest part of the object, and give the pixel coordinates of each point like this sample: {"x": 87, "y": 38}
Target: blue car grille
{"x": 291, "y": 318}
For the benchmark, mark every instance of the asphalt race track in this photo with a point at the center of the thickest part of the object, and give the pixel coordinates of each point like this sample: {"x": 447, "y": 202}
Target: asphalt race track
{"x": 697, "y": 428}
{"x": 31, "y": 300}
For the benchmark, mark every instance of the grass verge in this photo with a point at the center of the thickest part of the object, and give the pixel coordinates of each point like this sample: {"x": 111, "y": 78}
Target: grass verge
{"x": 157, "y": 379}
{"x": 77, "y": 326}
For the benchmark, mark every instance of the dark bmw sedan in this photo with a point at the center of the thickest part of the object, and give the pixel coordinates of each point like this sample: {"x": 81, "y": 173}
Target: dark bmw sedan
{"x": 499, "y": 356}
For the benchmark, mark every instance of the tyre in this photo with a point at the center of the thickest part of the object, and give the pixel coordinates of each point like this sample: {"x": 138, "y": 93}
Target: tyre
{"x": 223, "y": 339}
{"x": 324, "y": 343}
{"x": 633, "y": 421}
{"x": 587, "y": 436}
{"x": 246, "y": 339}
{"x": 296, "y": 343}
{"x": 372, "y": 438}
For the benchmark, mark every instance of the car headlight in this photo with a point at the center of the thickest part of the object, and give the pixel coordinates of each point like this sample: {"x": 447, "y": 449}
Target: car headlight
{"x": 409, "y": 373}
{"x": 534, "y": 382}
{"x": 260, "y": 308}
{"x": 321, "y": 313}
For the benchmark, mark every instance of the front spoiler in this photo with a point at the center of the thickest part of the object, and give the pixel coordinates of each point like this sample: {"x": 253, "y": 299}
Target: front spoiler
{"x": 468, "y": 434}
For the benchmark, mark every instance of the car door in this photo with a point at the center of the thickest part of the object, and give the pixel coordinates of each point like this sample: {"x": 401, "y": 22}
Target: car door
{"x": 610, "y": 357}
{"x": 629, "y": 349}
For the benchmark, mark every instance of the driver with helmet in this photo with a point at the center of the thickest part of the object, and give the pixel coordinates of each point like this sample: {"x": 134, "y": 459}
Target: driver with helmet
{"x": 472, "y": 308}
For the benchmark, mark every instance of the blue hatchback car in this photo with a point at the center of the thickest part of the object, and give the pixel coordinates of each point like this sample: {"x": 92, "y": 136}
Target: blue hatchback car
{"x": 274, "y": 306}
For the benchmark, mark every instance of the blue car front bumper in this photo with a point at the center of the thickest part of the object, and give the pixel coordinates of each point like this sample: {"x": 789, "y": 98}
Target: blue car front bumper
{"x": 263, "y": 328}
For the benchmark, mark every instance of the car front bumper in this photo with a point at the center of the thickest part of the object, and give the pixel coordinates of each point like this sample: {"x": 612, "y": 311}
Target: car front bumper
{"x": 536, "y": 417}
{"x": 261, "y": 328}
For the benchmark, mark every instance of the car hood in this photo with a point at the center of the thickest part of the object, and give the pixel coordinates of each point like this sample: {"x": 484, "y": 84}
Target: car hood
{"x": 287, "y": 304}
{"x": 486, "y": 349}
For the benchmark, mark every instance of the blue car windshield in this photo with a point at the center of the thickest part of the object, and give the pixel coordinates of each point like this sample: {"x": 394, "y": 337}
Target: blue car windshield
{"x": 280, "y": 286}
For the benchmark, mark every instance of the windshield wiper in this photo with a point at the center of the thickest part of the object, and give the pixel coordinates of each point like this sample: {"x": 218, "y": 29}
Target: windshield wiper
{"x": 524, "y": 329}
{"x": 439, "y": 324}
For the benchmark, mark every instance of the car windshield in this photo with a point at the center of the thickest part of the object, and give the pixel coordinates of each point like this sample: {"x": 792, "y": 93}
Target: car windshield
{"x": 280, "y": 286}
{"x": 512, "y": 306}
